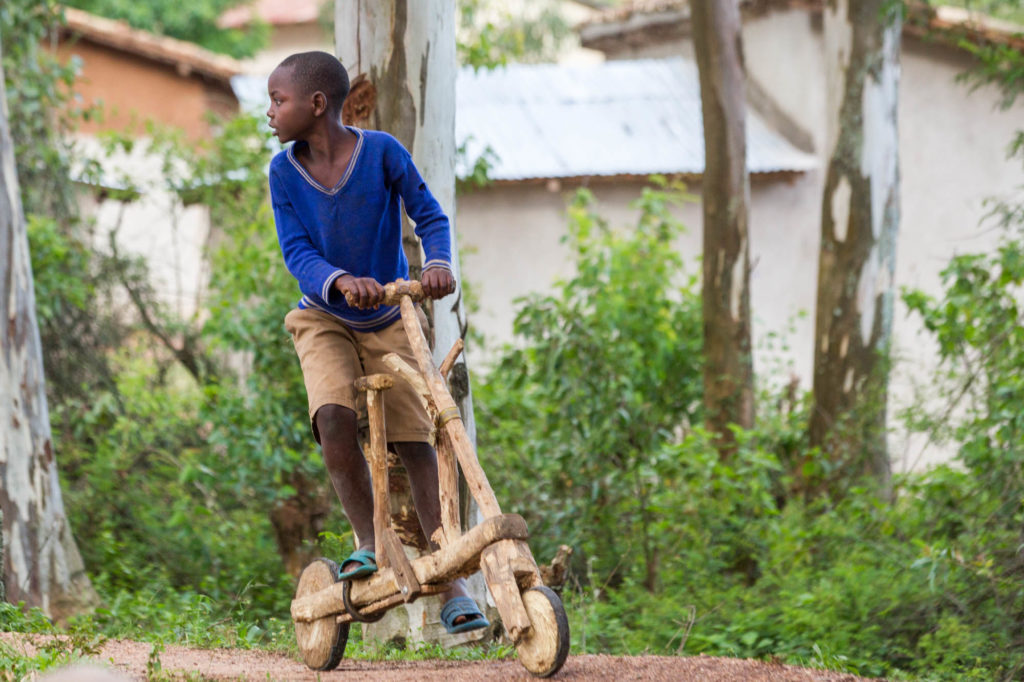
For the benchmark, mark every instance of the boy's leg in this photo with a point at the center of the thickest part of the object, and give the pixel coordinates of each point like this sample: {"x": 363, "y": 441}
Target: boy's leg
{"x": 327, "y": 351}
{"x": 420, "y": 461}
{"x": 347, "y": 468}
{"x": 409, "y": 430}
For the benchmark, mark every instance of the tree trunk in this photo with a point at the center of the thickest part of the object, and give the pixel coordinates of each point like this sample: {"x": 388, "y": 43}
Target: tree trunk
{"x": 3, "y": 593}
{"x": 298, "y": 521}
{"x": 400, "y": 55}
{"x": 860, "y": 218}
{"x": 728, "y": 369}
{"x": 42, "y": 565}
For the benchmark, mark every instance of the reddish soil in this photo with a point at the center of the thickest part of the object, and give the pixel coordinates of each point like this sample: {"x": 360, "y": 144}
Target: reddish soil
{"x": 129, "y": 659}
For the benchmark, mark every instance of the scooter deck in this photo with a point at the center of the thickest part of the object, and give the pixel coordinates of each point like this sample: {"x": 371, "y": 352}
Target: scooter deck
{"x": 460, "y": 558}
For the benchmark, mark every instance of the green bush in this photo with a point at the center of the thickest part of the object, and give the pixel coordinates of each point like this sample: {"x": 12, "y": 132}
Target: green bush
{"x": 579, "y": 418}
{"x": 170, "y": 470}
{"x": 588, "y": 425}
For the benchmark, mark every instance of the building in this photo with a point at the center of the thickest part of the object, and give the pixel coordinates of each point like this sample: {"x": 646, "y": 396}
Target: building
{"x": 552, "y": 129}
{"x": 135, "y": 79}
{"x": 953, "y": 142}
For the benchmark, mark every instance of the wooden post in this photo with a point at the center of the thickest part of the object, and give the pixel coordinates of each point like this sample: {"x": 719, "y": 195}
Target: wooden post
{"x": 448, "y": 415}
{"x": 496, "y": 564}
{"x": 379, "y": 474}
{"x": 449, "y": 360}
{"x": 387, "y": 546}
{"x": 448, "y": 485}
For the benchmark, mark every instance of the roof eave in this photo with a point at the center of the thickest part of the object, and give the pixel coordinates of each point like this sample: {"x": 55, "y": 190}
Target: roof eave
{"x": 185, "y": 57}
{"x": 690, "y": 176}
{"x": 950, "y": 24}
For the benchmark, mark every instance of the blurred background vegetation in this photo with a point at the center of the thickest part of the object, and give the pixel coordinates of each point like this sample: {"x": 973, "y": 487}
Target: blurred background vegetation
{"x": 173, "y": 460}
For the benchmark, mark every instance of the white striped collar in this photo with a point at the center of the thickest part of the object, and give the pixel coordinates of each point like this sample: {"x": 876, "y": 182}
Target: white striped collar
{"x": 348, "y": 170}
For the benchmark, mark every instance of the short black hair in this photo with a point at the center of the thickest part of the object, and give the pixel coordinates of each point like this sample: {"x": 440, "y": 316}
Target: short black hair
{"x": 312, "y": 71}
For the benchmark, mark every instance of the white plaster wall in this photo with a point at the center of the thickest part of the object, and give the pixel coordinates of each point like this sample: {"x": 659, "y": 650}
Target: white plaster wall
{"x": 952, "y": 158}
{"x": 511, "y": 235}
{"x": 510, "y": 241}
{"x": 784, "y": 53}
{"x": 170, "y": 237}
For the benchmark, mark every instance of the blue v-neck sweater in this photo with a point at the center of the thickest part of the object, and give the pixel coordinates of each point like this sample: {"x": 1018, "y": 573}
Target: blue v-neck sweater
{"x": 356, "y": 226}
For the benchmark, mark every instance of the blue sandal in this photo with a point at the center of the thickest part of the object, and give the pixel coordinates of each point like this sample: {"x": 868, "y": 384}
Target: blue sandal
{"x": 367, "y": 561}
{"x": 462, "y": 606}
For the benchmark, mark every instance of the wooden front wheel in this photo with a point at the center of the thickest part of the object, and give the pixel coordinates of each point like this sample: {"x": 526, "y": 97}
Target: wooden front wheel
{"x": 545, "y": 648}
{"x": 322, "y": 642}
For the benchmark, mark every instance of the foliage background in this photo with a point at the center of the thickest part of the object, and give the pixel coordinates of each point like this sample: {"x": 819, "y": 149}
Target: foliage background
{"x": 588, "y": 427}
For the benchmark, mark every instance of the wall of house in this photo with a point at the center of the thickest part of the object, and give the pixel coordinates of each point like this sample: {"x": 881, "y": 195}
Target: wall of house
{"x": 510, "y": 242}
{"x": 131, "y": 90}
{"x": 156, "y": 227}
{"x": 952, "y": 158}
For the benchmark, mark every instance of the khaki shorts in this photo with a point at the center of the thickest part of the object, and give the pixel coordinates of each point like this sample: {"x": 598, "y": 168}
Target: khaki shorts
{"x": 333, "y": 356}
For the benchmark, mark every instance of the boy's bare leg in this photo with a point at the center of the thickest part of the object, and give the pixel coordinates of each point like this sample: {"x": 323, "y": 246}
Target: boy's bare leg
{"x": 420, "y": 461}
{"x": 348, "y": 470}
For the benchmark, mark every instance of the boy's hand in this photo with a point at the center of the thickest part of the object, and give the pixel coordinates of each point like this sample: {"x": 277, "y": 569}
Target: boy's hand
{"x": 360, "y": 292}
{"x": 437, "y": 282}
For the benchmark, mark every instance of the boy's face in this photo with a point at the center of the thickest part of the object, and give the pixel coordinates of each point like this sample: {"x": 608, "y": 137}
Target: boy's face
{"x": 290, "y": 113}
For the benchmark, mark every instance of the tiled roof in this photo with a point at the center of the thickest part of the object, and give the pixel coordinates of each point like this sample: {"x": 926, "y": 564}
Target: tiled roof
{"x": 184, "y": 56}
{"x": 274, "y": 12}
{"x": 921, "y": 18}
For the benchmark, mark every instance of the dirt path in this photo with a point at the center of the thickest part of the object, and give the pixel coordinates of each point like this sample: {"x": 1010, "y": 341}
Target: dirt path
{"x": 130, "y": 658}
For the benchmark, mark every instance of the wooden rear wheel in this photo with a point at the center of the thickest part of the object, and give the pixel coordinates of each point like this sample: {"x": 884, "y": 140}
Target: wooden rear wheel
{"x": 322, "y": 642}
{"x": 545, "y": 648}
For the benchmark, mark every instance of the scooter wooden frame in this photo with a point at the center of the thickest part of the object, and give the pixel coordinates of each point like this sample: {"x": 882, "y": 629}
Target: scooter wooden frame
{"x": 532, "y": 615}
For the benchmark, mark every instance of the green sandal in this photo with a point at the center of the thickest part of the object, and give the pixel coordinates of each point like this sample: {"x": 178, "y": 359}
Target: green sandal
{"x": 367, "y": 561}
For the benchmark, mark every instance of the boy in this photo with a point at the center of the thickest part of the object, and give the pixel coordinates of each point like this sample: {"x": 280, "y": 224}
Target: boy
{"x": 337, "y": 194}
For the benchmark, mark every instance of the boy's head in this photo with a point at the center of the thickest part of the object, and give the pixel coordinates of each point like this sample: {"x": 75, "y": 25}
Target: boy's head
{"x": 303, "y": 87}
{"x": 312, "y": 72}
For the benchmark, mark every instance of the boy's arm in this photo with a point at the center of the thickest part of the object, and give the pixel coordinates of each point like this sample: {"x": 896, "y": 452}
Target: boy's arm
{"x": 316, "y": 276}
{"x": 432, "y": 225}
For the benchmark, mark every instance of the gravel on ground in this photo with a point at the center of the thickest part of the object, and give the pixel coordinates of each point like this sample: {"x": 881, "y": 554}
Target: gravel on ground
{"x": 127, "y": 660}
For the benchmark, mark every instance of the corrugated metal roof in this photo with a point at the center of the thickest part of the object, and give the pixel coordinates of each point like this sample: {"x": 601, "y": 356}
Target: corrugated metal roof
{"x": 634, "y": 117}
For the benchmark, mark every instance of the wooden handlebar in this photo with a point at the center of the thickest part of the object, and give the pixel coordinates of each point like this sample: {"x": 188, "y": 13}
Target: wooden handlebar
{"x": 394, "y": 291}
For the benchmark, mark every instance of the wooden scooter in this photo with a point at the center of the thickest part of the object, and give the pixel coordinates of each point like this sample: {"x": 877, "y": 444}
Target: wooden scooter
{"x": 532, "y": 614}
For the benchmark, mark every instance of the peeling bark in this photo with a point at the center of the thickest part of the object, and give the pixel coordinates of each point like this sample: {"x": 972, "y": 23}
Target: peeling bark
{"x": 370, "y": 39}
{"x": 41, "y": 565}
{"x": 860, "y": 220}
{"x": 728, "y": 369}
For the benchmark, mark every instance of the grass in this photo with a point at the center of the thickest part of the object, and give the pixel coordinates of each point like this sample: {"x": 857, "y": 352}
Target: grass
{"x": 85, "y": 637}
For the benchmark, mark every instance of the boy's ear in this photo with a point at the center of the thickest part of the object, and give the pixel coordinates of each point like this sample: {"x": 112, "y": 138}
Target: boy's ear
{"x": 319, "y": 103}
